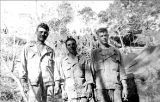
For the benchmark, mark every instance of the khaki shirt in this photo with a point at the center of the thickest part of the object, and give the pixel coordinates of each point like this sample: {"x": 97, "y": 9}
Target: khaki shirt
{"x": 76, "y": 74}
{"x": 107, "y": 68}
{"x": 36, "y": 67}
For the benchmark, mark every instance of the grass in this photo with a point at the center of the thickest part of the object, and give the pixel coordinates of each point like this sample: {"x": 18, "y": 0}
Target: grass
{"x": 8, "y": 90}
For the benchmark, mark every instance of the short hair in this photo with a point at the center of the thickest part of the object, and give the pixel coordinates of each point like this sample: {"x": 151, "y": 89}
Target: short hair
{"x": 70, "y": 39}
{"x": 101, "y": 30}
{"x": 43, "y": 25}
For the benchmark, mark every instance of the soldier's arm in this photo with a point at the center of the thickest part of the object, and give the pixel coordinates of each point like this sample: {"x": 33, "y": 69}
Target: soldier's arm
{"x": 58, "y": 75}
{"x": 23, "y": 72}
{"x": 89, "y": 78}
{"x": 88, "y": 72}
{"x": 92, "y": 63}
{"x": 49, "y": 81}
{"x": 123, "y": 77}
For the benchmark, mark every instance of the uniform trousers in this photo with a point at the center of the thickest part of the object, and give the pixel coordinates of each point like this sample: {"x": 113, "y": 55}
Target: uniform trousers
{"x": 80, "y": 99}
{"x": 39, "y": 93}
{"x": 108, "y": 95}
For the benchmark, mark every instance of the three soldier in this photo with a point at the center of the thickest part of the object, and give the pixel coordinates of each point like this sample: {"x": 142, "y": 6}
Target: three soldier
{"x": 75, "y": 74}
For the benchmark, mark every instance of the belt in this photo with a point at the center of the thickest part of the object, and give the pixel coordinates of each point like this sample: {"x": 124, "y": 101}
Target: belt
{"x": 78, "y": 98}
{"x": 74, "y": 77}
{"x": 35, "y": 85}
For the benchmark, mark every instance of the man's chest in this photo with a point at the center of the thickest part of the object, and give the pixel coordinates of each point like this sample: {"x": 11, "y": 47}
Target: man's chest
{"x": 71, "y": 67}
{"x": 103, "y": 55}
{"x": 33, "y": 55}
{"x": 106, "y": 60}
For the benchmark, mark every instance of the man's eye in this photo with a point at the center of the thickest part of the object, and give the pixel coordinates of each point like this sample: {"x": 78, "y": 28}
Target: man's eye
{"x": 71, "y": 44}
{"x": 45, "y": 32}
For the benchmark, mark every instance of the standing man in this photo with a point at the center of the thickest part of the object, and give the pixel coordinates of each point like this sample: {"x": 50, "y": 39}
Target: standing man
{"x": 75, "y": 73}
{"x": 108, "y": 71}
{"x": 37, "y": 67}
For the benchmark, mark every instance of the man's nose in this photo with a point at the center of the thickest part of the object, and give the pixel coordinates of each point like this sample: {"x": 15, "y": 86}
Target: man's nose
{"x": 72, "y": 46}
{"x": 43, "y": 33}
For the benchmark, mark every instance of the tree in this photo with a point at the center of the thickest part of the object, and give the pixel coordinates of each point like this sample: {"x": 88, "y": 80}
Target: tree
{"x": 59, "y": 25}
{"x": 54, "y": 24}
{"x": 87, "y": 15}
{"x": 131, "y": 16}
{"x": 65, "y": 12}
{"x": 103, "y": 17}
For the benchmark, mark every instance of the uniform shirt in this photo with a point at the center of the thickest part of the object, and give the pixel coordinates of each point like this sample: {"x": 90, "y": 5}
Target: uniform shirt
{"x": 76, "y": 74}
{"x": 107, "y": 68}
{"x": 36, "y": 66}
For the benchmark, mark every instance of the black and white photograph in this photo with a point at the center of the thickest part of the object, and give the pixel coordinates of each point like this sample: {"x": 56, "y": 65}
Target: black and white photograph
{"x": 80, "y": 51}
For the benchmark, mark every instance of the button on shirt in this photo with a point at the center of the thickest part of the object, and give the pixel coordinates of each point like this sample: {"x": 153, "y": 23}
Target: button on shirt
{"x": 107, "y": 66}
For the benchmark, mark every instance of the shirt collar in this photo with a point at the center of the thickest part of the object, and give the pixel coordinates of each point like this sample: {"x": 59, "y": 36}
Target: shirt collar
{"x": 67, "y": 56}
{"x": 44, "y": 51}
{"x": 103, "y": 47}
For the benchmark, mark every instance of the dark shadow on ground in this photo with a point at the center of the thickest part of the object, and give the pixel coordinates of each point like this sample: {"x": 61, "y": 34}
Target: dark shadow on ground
{"x": 132, "y": 89}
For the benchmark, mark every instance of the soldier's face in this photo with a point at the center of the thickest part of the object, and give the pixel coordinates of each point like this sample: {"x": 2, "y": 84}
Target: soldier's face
{"x": 42, "y": 34}
{"x": 71, "y": 46}
{"x": 103, "y": 37}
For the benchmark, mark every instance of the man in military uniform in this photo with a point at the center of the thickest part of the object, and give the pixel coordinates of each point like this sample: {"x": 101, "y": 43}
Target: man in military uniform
{"x": 108, "y": 71}
{"x": 75, "y": 75}
{"x": 37, "y": 69}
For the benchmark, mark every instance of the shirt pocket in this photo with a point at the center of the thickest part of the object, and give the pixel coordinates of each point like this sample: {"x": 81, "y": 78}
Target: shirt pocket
{"x": 45, "y": 63}
{"x": 100, "y": 67}
{"x": 114, "y": 66}
{"x": 79, "y": 70}
{"x": 67, "y": 70}
{"x": 31, "y": 55}
{"x": 114, "y": 71}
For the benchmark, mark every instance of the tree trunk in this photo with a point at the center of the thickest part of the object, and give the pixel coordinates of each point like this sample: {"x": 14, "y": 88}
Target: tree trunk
{"x": 121, "y": 40}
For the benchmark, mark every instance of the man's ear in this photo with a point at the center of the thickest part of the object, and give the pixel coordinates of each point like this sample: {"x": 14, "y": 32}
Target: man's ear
{"x": 76, "y": 45}
{"x": 36, "y": 32}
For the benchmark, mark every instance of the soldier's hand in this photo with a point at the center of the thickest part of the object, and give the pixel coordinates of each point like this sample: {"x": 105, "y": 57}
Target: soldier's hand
{"x": 64, "y": 95}
{"x": 56, "y": 88}
{"x": 89, "y": 91}
{"x": 125, "y": 90}
{"x": 25, "y": 87}
{"x": 125, "y": 94}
